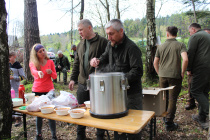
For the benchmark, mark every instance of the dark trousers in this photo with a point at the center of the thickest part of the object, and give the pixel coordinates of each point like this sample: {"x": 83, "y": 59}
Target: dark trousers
{"x": 82, "y": 96}
{"x": 200, "y": 87}
{"x": 64, "y": 74}
{"x": 172, "y": 95}
{"x": 191, "y": 98}
{"x": 134, "y": 102}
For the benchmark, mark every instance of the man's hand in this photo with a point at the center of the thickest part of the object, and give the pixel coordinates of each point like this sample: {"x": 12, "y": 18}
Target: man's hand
{"x": 189, "y": 73}
{"x": 71, "y": 85}
{"x": 59, "y": 66}
{"x": 94, "y": 62}
{"x": 182, "y": 76}
{"x": 11, "y": 77}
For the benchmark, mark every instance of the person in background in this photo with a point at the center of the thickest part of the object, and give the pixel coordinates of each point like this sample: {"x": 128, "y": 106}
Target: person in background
{"x": 207, "y": 30}
{"x": 74, "y": 48}
{"x": 91, "y": 45}
{"x": 42, "y": 69}
{"x": 62, "y": 65}
{"x": 171, "y": 69}
{"x": 199, "y": 69}
{"x": 191, "y": 102}
{"x": 16, "y": 75}
{"x": 123, "y": 55}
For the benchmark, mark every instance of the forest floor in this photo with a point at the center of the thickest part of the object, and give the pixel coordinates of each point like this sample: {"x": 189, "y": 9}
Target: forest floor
{"x": 188, "y": 129}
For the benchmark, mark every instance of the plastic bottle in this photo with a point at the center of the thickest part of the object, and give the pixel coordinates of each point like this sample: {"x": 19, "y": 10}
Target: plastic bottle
{"x": 12, "y": 93}
{"x": 21, "y": 91}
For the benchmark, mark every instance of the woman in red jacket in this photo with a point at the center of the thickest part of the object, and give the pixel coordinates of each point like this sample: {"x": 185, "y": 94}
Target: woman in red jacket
{"x": 42, "y": 69}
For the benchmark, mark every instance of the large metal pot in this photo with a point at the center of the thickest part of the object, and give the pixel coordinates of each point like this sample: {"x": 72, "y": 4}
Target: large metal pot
{"x": 108, "y": 95}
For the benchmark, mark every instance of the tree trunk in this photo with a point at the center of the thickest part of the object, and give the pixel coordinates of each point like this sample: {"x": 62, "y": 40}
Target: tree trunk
{"x": 101, "y": 21}
{"x": 72, "y": 22}
{"x": 82, "y": 9}
{"x": 117, "y": 9}
{"x": 31, "y": 32}
{"x": 107, "y": 10}
{"x": 194, "y": 11}
{"x": 151, "y": 74}
{"x": 5, "y": 96}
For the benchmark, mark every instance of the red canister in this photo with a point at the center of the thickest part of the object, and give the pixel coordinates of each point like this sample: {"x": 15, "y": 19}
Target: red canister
{"x": 21, "y": 91}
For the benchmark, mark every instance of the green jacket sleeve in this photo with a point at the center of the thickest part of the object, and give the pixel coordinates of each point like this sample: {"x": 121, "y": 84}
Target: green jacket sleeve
{"x": 192, "y": 47}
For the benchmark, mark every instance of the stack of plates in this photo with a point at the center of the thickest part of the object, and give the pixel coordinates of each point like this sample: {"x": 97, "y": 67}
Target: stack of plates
{"x": 17, "y": 102}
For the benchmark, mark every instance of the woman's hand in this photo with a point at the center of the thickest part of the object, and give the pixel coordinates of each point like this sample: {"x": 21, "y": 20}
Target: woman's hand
{"x": 49, "y": 71}
{"x": 41, "y": 74}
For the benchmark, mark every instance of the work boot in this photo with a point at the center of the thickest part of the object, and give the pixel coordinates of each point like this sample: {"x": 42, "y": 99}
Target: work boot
{"x": 171, "y": 126}
{"x": 39, "y": 137}
{"x": 123, "y": 136}
{"x": 18, "y": 121}
{"x": 81, "y": 137}
{"x": 100, "y": 137}
{"x": 190, "y": 105}
{"x": 201, "y": 120}
{"x": 54, "y": 138}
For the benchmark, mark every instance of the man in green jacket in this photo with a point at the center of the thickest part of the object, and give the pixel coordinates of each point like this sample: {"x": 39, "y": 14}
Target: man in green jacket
{"x": 199, "y": 69}
{"x": 91, "y": 45}
{"x": 171, "y": 71}
{"x": 62, "y": 65}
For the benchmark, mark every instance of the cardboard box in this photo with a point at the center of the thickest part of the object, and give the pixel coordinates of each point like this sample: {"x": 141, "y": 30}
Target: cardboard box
{"x": 154, "y": 99}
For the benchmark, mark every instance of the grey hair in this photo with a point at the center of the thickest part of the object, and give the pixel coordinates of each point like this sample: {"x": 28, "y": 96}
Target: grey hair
{"x": 59, "y": 52}
{"x": 85, "y": 22}
{"x": 116, "y": 24}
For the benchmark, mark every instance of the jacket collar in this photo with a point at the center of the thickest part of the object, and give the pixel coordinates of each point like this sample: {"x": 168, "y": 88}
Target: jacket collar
{"x": 91, "y": 40}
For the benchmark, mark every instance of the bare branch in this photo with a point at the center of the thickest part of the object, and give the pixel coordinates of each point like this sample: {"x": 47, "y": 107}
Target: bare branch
{"x": 159, "y": 8}
{"x": 125, "y": 8}
{"x": 103, "y": 4}
{"x": 69, "y": 11}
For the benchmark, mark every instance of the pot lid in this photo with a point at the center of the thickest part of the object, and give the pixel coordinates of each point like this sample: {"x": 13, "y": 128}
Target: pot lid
{"x": 107, "y": 74}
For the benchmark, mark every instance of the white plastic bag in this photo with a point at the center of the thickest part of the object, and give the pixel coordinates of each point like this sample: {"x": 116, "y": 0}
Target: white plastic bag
{"x": 38, "y": 102}
{"x": 65, "y": 99}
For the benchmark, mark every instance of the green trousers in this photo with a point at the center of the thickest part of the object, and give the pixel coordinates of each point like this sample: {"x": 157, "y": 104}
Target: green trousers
{"x": 171, "y": 96}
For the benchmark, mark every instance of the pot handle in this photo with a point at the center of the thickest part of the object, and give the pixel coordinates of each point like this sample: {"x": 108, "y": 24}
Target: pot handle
{"x": 124, "y": 83}
{"x": 88, "y": 84}
{"x": 102, "y": 85}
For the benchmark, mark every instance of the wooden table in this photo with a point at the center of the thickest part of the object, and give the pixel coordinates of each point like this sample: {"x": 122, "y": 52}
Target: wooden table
{"x": 133, "y": 123}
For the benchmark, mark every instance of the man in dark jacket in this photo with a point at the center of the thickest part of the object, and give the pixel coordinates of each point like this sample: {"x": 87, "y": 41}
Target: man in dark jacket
{"x": 62, "y": 65}
{"x": 74, "y": 48}
{"x": 91, "y": 45}
{"x": 123, "y": 55}
{"x": 191, "y": 102}
{"x": 199, "y": 69}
